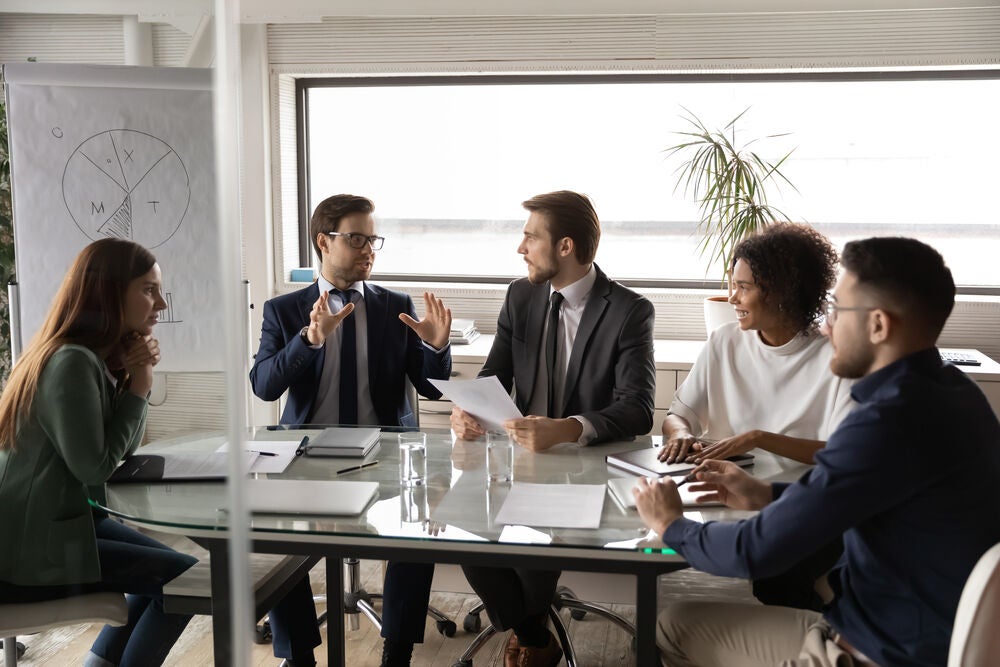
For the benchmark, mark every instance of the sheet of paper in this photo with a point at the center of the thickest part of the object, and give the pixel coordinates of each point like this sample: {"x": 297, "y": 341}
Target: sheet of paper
{"x": 483, "y": 398}
{"x": 553, "y": 505}
{"x": 196, "y": 465}
{"x": 283, "y": 451}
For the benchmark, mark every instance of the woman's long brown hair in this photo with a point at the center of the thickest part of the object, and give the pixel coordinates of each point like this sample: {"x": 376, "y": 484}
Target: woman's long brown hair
{"x": 87, "y": 310}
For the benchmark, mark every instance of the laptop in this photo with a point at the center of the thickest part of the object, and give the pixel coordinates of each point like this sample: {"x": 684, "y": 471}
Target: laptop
{"x": 306, "y": 496}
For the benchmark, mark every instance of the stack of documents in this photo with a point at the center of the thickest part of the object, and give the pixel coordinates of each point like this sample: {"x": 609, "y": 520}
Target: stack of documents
{"x": 342, "y": 441}
{"x": 463, "y": 332}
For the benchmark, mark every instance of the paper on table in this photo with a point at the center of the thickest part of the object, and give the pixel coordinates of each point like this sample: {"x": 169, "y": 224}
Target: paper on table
{"x": 283, "y": 450}
{"x": 483, "y": 398}
{"x": 553, "y": 505}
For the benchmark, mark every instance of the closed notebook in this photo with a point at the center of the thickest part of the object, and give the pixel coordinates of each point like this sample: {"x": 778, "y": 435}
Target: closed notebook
{"x": 645, "y": 462}
{"x": 341, "y": 441}
{"x": 621, "y": 491}
{"x": 302, "y": 496}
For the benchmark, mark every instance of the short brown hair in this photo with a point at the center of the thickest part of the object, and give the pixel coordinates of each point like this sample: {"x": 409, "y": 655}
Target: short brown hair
{"x": 570, "y": 214}
{"x": 906, "y": 275}
{"x": 331, "y": 210}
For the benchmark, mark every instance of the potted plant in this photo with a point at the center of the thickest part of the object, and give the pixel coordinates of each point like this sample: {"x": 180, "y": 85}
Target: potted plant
{"x": 6, "y": 249}
{"x": 729, "y": 182}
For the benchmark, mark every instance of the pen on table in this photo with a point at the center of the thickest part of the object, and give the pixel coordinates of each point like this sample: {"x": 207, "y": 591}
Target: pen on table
{"x": 301, "y": 449}
{"x": 690, "y": 477}
{"x": 257, "y": 451}
{"x": 353, "y": 468}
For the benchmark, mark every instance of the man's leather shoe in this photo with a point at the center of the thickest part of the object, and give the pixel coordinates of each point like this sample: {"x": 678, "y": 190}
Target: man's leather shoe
{"x": 511, "y": 653}
{"x": 547, "y": 656}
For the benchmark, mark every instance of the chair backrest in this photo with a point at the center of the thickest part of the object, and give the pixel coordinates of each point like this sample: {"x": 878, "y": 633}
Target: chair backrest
{"x": 975, "y": 640}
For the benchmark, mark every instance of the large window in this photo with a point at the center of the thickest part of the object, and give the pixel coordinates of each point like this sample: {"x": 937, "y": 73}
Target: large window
{"x": 448, "y": 161}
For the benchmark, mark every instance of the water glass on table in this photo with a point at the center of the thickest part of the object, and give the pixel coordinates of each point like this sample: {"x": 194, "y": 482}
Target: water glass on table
{"x": 412, "y": 458}
{"x": 499, "y": 457}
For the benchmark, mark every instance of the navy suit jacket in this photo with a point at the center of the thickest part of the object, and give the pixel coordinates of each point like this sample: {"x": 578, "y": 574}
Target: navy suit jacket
{"x": 285, "y": 363}
{"x": 611, "y": 377}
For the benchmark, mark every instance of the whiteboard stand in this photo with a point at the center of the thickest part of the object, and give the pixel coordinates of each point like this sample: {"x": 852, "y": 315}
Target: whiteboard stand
{"x": 14, "y": 308}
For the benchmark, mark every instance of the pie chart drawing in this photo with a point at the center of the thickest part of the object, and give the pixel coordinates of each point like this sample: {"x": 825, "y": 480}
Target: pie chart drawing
{"x": 126, "y": 184}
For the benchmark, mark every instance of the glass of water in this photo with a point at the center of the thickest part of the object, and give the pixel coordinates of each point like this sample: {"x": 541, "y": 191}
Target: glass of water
{"x": 499, "y": 457}
{"x": 412, "y": 458}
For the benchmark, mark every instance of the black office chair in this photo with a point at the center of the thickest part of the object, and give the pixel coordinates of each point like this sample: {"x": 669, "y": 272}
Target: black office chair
{"x": 565, "y": 599}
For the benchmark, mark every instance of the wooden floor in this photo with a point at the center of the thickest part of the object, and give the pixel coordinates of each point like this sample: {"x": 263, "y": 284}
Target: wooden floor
{"x": 597, "y": 643}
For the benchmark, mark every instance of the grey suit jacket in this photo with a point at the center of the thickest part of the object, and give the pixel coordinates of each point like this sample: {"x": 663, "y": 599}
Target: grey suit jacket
{"x": 611, "y": 377}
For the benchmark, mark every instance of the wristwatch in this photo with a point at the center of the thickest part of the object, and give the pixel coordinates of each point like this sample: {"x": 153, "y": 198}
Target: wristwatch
{"x": 304, "y": 335}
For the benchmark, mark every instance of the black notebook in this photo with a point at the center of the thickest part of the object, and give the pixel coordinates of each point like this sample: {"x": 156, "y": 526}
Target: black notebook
{"x": 645, "y": 462}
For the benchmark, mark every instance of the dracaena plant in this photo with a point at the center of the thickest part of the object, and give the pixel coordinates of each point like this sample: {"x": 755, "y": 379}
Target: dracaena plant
{"x": 729, "y": 182}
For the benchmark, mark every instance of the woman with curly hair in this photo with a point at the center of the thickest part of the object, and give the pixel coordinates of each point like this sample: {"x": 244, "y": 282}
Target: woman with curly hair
{"x": 764, "y": 381}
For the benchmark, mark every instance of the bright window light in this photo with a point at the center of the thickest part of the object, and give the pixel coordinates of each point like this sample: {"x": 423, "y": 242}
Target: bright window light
{"x": 448, "y": 165}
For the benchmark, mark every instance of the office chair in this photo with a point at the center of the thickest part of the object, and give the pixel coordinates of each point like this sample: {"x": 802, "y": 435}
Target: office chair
{"x": 31, "y": 617}
{"x": 565, "y": 599}
{"x": 974, "y": 639}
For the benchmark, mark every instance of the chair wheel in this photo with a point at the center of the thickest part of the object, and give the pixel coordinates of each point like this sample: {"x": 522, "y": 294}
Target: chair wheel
{"x": 577, "y": 614}
{"x": 446, "y": 628}
{"x": 471, "y": 623}
{"x": 20, "y": 649}
{"x": 262, "y": 633}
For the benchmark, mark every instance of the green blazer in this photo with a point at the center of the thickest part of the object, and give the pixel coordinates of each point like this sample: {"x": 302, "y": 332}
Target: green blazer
{"x": 76, "y": 433}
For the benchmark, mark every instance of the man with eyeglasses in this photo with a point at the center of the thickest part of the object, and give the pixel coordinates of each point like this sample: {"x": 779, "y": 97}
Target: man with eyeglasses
{"x": 909, "y": 478}
{"x": 343, "y": 349}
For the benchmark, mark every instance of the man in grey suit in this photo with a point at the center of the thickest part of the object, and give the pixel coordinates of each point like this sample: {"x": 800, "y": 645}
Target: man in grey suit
{"x": 577, "y": 350}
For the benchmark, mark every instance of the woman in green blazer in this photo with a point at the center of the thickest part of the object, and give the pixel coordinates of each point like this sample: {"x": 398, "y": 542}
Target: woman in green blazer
{"x": 74, "y": 406}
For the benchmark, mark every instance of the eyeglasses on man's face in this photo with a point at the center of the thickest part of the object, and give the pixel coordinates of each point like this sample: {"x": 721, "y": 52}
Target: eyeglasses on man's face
{"x": 832, "y": 309}
{"x": 358, "y": 241}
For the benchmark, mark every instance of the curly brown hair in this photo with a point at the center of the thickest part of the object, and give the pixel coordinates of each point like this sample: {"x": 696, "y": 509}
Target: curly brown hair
{"x": 795, "y": 267}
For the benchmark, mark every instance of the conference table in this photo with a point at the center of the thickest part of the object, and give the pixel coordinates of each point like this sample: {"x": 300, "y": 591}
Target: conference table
{"x": 449, "y": 519}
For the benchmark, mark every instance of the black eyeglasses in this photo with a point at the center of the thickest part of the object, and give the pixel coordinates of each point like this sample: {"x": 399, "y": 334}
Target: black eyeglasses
{"x": 358, "y": 241}
{"x": 832, "y": 309}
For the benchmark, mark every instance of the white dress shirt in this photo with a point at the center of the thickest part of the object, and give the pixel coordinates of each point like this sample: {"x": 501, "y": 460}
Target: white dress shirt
{"x": 327, "y": 407}
{"x": 574, "y": 302}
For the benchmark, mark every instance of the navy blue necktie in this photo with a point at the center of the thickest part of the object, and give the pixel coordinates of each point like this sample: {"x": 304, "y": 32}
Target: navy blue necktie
{"x": 348, "y": 364}
{"x": 550, "y": 350}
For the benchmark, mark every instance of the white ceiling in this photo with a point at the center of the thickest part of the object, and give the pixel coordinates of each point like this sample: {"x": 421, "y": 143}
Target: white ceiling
{"x": 305, "y": 11}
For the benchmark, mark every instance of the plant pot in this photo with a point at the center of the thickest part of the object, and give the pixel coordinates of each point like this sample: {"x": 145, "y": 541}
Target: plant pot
{"x": 718, "y": 311}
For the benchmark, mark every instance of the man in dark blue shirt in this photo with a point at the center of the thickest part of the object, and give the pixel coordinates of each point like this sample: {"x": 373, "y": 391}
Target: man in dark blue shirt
{"x": 909, "y": 478}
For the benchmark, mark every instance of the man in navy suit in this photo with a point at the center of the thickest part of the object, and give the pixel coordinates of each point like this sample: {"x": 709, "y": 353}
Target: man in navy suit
{"x": 576, "y": 348}
{"x": 343, "y": 348}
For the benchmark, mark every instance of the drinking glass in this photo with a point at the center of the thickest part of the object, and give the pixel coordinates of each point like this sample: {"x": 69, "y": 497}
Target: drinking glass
{"x": 412, "y": 458}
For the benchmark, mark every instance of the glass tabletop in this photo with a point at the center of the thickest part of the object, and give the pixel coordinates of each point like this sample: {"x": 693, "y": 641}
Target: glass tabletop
{"x": 456, "y": 502}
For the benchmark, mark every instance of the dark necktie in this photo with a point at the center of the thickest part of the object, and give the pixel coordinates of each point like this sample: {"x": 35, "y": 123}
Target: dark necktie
{"x": 550, "y": 350}
{"x": 348, "y": 364}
